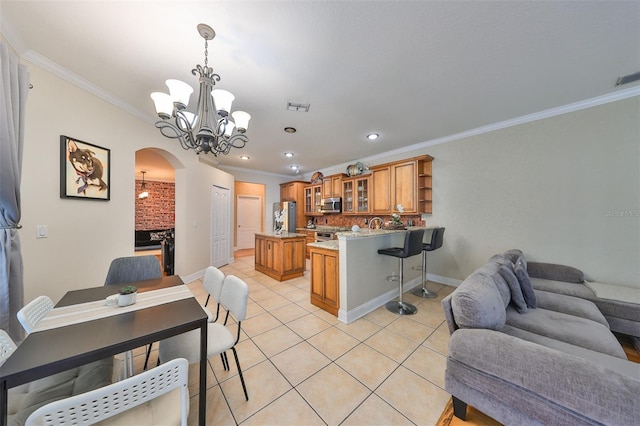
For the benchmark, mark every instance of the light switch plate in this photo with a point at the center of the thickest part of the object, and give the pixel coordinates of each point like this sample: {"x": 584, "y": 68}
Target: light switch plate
{"x": 41, "y": 231}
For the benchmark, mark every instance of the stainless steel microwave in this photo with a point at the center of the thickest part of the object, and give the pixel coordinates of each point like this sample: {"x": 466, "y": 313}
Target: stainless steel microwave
{"x": 331, "y": 205}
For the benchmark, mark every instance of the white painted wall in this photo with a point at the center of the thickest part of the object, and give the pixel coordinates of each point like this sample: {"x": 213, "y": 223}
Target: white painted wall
{"x": 551, "y": 188}
{"x": 84, "y": 236}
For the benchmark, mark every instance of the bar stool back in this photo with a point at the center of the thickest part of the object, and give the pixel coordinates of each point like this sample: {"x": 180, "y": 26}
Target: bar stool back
{"x": 437, "y": 237}
{"x": 412, "y": 247}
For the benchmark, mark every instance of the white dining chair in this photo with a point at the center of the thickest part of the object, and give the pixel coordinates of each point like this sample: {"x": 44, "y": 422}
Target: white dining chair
{"x": 7, "y": 346}
{"x": 33, "y": 312}
{"x": 212, "y": 283}
{"x": 234, "y": 298}
{"x": 153, "y": 397}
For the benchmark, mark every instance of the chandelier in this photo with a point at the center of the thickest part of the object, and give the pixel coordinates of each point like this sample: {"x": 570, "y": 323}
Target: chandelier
{"x": 211, "y": 129}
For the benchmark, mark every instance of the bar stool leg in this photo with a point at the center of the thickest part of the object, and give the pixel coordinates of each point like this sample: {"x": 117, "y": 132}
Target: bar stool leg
{"x": 424, "y": 291}
{"x": 398, "y": 306}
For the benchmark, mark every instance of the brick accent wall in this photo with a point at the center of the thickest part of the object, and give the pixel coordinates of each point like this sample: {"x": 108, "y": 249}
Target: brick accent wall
{"x": 157, "y": 211}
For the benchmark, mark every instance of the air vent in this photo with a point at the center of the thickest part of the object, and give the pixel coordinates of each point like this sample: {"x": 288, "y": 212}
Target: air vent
{"x": 628, "y": 79}
{"x": 293, "y": 106}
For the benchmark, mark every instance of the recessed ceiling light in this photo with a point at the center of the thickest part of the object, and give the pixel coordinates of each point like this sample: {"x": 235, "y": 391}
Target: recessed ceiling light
{"x": 244, "y": 157}
{"x": 290, "y": 129}
{"x": 288, "y": 154}
{"x": 373, "y": 136}
{"x": 295, "y": 167}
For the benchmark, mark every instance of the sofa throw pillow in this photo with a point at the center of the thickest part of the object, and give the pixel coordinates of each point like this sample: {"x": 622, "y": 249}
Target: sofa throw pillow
{"x": 517, "y": 298}
{"x": 476, "y": 303}
{"x": 514, "y": 254}
{"x": 520, "y": 269}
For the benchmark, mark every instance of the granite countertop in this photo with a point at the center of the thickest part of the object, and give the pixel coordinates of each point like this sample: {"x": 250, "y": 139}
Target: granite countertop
{"x": 325, "y": 228}
{"x": 283, "y": 235}
{"x": 329, "y": 245}
{"x": 366, "y": 232}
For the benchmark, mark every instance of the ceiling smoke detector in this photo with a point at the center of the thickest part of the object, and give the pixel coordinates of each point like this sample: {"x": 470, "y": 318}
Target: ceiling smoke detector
{"x": 293, "y": 106}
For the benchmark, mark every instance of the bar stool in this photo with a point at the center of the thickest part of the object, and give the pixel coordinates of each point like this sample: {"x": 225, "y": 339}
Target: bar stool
{"x": 412, "y": 247}
{"x": 437, "y": 236}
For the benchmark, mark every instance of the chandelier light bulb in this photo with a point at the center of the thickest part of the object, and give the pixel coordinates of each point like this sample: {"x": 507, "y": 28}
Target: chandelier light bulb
{"x": 223, "y": 101}
{"x": 241, "y": 119}
{"x": 163, "y": 104}
{"x": 180, "y": 93}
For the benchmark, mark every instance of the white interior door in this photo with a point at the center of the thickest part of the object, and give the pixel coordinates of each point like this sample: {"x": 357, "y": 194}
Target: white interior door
{"x": 248, "y": 220}
{"x": 220, "y": 207}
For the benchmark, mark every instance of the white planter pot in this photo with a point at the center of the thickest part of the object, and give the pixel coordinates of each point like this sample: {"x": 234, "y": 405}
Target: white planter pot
{"x": 127, "y": 299}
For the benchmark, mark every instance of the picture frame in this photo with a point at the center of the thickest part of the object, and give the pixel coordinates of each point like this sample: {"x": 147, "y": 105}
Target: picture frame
{"x": 85, "y": 170}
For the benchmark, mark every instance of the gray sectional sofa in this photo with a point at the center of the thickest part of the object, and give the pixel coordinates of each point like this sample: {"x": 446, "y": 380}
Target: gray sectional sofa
{"x": 531, "y": 357}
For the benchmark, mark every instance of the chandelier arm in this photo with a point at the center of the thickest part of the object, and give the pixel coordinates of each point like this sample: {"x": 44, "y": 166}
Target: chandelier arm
{"x": 169, "y": 130}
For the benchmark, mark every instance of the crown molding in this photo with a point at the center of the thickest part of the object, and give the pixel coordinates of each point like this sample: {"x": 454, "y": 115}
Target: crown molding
{"x": 552, "y": 112}
{"x": 84, "y": 84}
{"x": 257, "y": 172}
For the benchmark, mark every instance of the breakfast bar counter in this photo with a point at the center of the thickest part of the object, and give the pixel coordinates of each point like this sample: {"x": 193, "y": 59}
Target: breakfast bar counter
{"x": 363, "y": 272}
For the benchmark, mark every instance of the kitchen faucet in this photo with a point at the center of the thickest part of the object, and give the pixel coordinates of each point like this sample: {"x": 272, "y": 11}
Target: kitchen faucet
{"x": 378, "y": 223}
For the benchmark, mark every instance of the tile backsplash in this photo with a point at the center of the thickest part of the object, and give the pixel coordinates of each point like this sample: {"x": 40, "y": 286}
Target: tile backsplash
{"x": 361, "y": 221}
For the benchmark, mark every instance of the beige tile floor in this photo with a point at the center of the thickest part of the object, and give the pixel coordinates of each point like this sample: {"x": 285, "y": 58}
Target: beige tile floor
{"x": 304, "y": 367}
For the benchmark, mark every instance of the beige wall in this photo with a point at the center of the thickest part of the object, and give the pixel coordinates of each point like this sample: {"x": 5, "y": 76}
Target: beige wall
{"x": 553, "y": 188}
{"x": 84, "y": 236}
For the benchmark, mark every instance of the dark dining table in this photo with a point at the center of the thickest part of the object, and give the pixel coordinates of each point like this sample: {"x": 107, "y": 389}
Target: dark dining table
{"x": 47, "y": 352}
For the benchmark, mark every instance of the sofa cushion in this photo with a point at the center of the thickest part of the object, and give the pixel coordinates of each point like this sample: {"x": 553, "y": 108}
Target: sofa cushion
{"x": 490, "y": 270}
{"x": 516, "y": 292}
{"x": 477, "y": 303}
{"x": 620, "y": 366}
{"x": 25, "y": 399}
{"x": 520, "y": 269}
{"x": 555, "y": 272}
{"x": 567, "y": 328}
{"x": 570, "y": 305}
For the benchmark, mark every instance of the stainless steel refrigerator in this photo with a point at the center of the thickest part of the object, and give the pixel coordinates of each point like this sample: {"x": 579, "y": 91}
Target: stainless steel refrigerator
{"x": 284, "y": 216}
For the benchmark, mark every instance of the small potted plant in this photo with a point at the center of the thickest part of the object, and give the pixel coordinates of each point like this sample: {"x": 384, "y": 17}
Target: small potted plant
{"x": 127, "y": 295}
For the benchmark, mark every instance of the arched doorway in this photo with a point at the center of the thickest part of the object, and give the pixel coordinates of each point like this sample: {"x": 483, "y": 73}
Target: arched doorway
{"x": 155, "y": 216}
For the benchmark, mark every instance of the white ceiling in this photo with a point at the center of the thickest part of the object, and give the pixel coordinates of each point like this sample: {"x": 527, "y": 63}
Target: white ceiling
{"x": 411, "y": 71}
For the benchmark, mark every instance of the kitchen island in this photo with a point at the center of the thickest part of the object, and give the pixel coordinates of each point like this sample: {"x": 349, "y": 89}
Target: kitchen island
{"x": 280, "y": 256}
{"x": 362, "y": 272}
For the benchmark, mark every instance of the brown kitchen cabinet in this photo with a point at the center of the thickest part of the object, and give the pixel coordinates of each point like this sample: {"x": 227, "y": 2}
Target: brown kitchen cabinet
{"x": 294, "y": 191}
{"x": 325, "y": 279}
{"x": 405, "y": 182}
{"x": 310, "y": 238}
{"x": 355, "y": 195}
{"x": 332, "y": 186}
{"x": 281, "y": 258}
{"x": 312, "y": 200}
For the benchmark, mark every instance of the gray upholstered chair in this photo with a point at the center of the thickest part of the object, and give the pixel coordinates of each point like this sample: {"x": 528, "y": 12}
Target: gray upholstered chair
{"x": 134, "y": 268}
{"x": 130, "y": 269}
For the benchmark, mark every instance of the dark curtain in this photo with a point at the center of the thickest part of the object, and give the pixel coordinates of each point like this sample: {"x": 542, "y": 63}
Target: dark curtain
{"x": 14, "y": 86}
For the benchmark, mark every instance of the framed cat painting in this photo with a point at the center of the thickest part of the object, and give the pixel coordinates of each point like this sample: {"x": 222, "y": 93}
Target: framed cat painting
{"x": 85, "y": 170}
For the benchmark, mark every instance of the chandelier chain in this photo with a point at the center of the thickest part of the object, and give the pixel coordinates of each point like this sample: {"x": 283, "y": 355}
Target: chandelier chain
{"x": 206, "y": 53}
